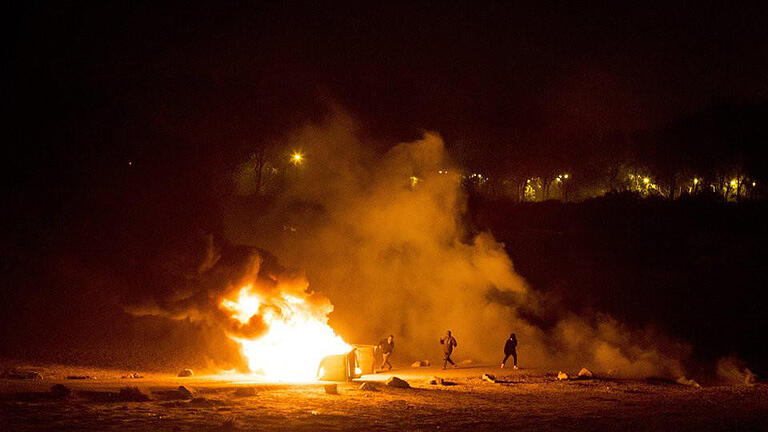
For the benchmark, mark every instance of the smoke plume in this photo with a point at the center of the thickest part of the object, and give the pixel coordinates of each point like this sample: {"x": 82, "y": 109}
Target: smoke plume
{"x": 382, "y": 235}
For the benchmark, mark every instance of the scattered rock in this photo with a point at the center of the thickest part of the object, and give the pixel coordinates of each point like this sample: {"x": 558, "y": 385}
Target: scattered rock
{"x": 489, "y": 378}
{"x": 585, "y": 373}
{"x": 203, "y": 402}
{"x": 562, "y": 376}
{"x": 421, "y": 363}
{"x": 186, "y": 373}
{"x": 126, "y": 394}
{"x": 182, "y": 393}
{"x": 436, "y": 381}
{"x": 60, "y": 391}
{"x": 134, "y": 375}
{"x": 245, "y": 392}
{"x": 369, "y": 386}
{"x": 20, "y": 374}
{"x": 331, "y": 389}
{"x": 131, "y": 394}
{"x": 79, "y": 377}
{"x": 689, "y": 382}
{"x": 397, "y": 383}
{"x": 440, "y": 381}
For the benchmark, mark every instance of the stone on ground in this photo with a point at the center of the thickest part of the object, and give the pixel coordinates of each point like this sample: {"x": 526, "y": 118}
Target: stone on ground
{"x": 489, "y": 378}
{"x": 397, "y": 383}
{"x": 562, "y": 376}
{"x": 331, "y": 389}
{"x": 20, "y": 374}
{"x": 368, "y": 386}
{"x": 245, "y": 392}
{"x": 185, "y": 373}
{"x": 585, "y": 373}
{"x": 60, "y": 391}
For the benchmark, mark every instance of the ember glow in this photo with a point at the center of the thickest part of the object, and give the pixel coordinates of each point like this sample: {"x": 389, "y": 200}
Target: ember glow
{"x": 297, "y": 335}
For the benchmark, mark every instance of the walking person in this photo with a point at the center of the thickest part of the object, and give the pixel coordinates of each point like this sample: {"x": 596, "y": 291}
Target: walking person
{"x": 386, "y": 346}
{"x": 510, "y": 349}
{"x": 449, "y": 343}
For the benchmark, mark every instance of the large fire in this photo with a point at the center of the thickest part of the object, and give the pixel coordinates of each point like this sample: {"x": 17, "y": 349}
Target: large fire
{"x": 297, "y": 335}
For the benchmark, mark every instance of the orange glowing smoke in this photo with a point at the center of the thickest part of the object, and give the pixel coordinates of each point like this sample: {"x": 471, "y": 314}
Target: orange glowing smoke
{"x": 297, "y": 335}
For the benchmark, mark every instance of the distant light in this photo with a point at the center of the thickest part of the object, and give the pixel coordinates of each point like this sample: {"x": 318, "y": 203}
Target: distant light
{"x": 414, "y": 181}
{"x": 566, "y": 175}
{"x": 754, "y": 183}
{"x": 297, "y": 158}
{"x": 130, "y": 163}
{"x": 695, "y": 180}
{"x": 646, "y": 180}
{"x": 733, "y": 182}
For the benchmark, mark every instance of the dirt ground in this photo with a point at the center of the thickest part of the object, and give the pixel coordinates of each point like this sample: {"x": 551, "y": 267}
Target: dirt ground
{"x": 519, "y": 400}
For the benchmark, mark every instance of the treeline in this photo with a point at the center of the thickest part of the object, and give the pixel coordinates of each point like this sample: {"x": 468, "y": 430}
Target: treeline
{"x": 717, "y": 152}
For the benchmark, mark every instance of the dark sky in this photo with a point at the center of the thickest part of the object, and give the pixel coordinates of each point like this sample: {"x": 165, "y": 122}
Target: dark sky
{"x": 485, "y": 73}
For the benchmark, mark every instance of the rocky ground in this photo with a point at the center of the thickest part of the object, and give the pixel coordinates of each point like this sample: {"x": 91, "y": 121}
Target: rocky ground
{"x": 517, "y": 400}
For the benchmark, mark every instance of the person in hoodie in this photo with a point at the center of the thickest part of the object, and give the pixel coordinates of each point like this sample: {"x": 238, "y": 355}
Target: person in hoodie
{"x": 510, "y": 349}
{"x": 386, "y": 346}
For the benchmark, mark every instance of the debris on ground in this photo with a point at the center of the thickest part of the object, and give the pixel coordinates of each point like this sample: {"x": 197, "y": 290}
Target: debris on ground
{"x": 245, "y": 392}
{"x": 397, "y": 383}
{"x": 60, "y": 391}
{"x": 132, "y": 394}
{"x": 134, "y": 375}
{"x": 185, "y": 373}
{"x": 562, "y": 376}
{"x": 489, "y": 378}
{"x": 688, "y": 382}
{"x": 181, "y": 393}
{"x": 331, "y": 389}
{"x": 436, "y": 381}
{"x": 20, "y": 374}
{"x": 369, "y": 386}
{"x": 585, "y": 373}
{"x": 440, "y": 381}
{"x": 80, "y": 377}
{"x": 203, "y": 402}
{"x": 421, "y": 363}
{"x": 126, "y": 394}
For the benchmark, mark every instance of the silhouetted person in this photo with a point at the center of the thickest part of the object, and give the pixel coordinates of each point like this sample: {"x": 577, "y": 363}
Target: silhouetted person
{"x": 448, "y": 342}
{"x": 352, "y": 364}
{"x": 510, "y": 349}
{"x": 386, "y": 346}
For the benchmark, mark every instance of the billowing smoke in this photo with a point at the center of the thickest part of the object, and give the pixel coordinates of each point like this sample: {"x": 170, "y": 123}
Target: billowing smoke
{"x": 382, "y": 235}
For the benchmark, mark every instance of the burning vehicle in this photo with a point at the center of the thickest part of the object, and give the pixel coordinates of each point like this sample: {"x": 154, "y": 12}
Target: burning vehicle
{"x": 345, "y": 367}
{"x": 295, "y": 342}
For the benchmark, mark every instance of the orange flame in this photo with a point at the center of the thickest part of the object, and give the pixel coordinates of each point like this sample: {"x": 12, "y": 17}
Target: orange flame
{"x": 297, "y": 335}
